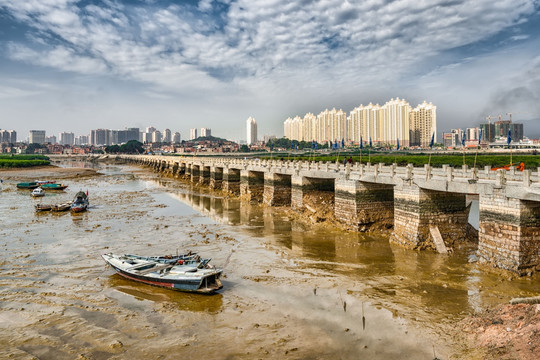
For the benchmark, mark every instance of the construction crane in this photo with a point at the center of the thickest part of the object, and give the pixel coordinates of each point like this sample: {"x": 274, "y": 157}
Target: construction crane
{"x": 488, "y": 118}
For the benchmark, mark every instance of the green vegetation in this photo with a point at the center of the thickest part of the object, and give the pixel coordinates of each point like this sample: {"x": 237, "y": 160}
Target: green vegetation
{"x": 418, "y": 160}
{"x": 131, "y": 147}
{"x": 15, "y": 161}
{"x": 285, "y": 143}
{"x": 208, "y": 138}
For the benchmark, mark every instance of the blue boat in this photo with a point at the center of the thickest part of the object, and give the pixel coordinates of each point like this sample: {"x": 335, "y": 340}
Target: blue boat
{"x": 80, "y": 202}
{"x": 191, "y": 274}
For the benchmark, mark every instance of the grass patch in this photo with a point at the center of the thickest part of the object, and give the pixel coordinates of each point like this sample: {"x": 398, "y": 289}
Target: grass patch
{"x": 19, "y": 161}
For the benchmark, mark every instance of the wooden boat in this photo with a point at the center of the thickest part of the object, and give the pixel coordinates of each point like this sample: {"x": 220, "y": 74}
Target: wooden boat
{"x": 54, "y": 186}
{"x": 61, "y": 207}
{"x": 27, "y": 185}
{"x": 192, "y": 275}
{"x": 43, "y": 182}
{"x": 43, "y": 207}
{"x": 80, "y": 202}
{"x": 38, "y": 192}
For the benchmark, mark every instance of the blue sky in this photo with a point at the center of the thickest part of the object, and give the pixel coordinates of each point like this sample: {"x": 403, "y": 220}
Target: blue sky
{"x": 69, "y": 65}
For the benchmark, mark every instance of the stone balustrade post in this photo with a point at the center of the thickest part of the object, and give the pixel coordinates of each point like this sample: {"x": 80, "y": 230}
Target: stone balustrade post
{"x": 527, "y": 178}
{"x": 500, "y": 180}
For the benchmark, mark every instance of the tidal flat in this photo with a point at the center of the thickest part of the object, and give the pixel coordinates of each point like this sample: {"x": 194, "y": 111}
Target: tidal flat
{"x": 292, "y": 289}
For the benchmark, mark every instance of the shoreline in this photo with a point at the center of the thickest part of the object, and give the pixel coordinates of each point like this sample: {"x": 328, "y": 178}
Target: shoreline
{"x": 46, "y": 171}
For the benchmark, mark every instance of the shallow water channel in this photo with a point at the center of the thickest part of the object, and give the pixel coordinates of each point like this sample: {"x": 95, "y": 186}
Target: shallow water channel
{"x": 291, "y": 289}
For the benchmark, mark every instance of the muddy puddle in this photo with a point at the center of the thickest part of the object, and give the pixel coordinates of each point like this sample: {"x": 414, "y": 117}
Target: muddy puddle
{"x": 291, "y": 289}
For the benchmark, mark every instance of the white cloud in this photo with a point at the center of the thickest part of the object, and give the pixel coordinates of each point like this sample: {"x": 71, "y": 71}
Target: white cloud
{"x": 269, "y": 49}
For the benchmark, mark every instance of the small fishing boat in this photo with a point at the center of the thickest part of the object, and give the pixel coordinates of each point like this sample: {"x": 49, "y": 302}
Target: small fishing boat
{"x": 191, "y": 274}
{"x": 43, "y": 182}
{"x": 38, "y": 192}
{"x": 80, "y": 202}
{"x": 61, "y": 207}
{"x": 54, "y": 186}
{"x": 27, "y": 185}
{"x": 43, "y": 207}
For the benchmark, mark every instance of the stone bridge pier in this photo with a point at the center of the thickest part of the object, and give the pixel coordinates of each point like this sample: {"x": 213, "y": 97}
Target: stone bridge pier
{"x": 277, "y": 189}
{"x": 306, "y": 190}
{"x": 252, "y": 185}
{"x": 509, "y": 232}
{"x": 216, "y": 177}
{"x": 415, "y": 209}
{"x": 364, "y": 205}
{"x": 195, "y": 173}
{"x": 181, "y": 170}
{"x": 231, "y": 180}
{"x": 204, "y": 175}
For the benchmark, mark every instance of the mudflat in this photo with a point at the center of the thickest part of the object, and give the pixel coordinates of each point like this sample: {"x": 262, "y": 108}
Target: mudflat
{"x": 292, "y": 289}
{"x": 46, "y": 172}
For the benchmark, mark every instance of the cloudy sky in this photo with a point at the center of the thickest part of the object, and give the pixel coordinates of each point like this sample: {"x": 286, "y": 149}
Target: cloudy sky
{"x": 77, "y": 65}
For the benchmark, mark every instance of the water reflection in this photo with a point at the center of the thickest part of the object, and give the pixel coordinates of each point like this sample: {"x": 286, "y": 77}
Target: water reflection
{"x": 181, "y": 300}
{"x": 445, "y": 285}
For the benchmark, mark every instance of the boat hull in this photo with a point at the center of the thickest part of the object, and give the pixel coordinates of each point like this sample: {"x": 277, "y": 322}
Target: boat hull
{"x": 53, "y": 187}
{"x": 27, "y": 185}
{"x": 207, "y": 284}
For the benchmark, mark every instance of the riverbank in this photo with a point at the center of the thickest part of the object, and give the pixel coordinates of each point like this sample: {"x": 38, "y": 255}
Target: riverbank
{"x": 46, "y": 172}
{"x": 506, "y": 331}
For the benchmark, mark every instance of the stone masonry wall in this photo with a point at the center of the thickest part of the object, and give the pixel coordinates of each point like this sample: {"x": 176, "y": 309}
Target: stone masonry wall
{"x": 252, "y": 185}
{"x": 277, "y": 189}
{"x": 509, "y": 233}
{"x": 364, "y": 205}
{"x": 231, "y": 181}
{"x": 416, "y": 209}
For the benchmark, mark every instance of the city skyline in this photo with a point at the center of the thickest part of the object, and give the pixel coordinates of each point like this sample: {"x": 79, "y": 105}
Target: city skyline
{"x": 77, "y": 66}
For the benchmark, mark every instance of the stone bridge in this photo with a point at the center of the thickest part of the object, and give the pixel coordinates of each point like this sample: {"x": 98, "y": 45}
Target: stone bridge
{"x": 411, "y": 200}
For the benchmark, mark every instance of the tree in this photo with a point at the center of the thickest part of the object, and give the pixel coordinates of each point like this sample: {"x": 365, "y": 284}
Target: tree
{"x": 132, "y": 147}
{"x": 112, "y": 149}
{"x": 244, "y": 148}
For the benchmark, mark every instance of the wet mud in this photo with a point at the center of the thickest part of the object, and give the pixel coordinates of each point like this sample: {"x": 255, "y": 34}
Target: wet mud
{"x": 292, "y": 288}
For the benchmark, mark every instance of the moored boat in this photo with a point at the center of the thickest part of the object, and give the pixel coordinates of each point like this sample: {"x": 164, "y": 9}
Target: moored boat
{"x": 43, "y": 182}
{"x": 54, "y": 186}
{"x": 191, "y": 274}
{"x": 38, "y": 192}
{"x": 61, "y": 207}
{"x": 43, "y": 207}
{"x": 80, "y": 202}
{"x": 27, "y": 185}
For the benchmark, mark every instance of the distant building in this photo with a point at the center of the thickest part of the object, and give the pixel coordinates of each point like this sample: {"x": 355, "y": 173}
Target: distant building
{"x": 128, "y": 134}
{"x": 471, "y": 134}
{"x": 267, "y": 138}
{"x": 206, "y": 132}
{"x": 251, "y": 131}
{"x": 423, "y": 123}
{"x": 66, "y": 138}
{"x": 81, "y": 140}
{"x": 192, "y": 133}
{"x": 50, "y": 139}
{"x": 453, "y": 138}
{"x": 498, "y": 131}
{"x": 167, "y": 137}
{"x": 147, "y": 137}
{"x": 8, "y": 136}
{"x": 36, "y": 137}
{"x": 156, "y": 136}
{"x": 99, "y": 137}
{"x": 176, "y": 138}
